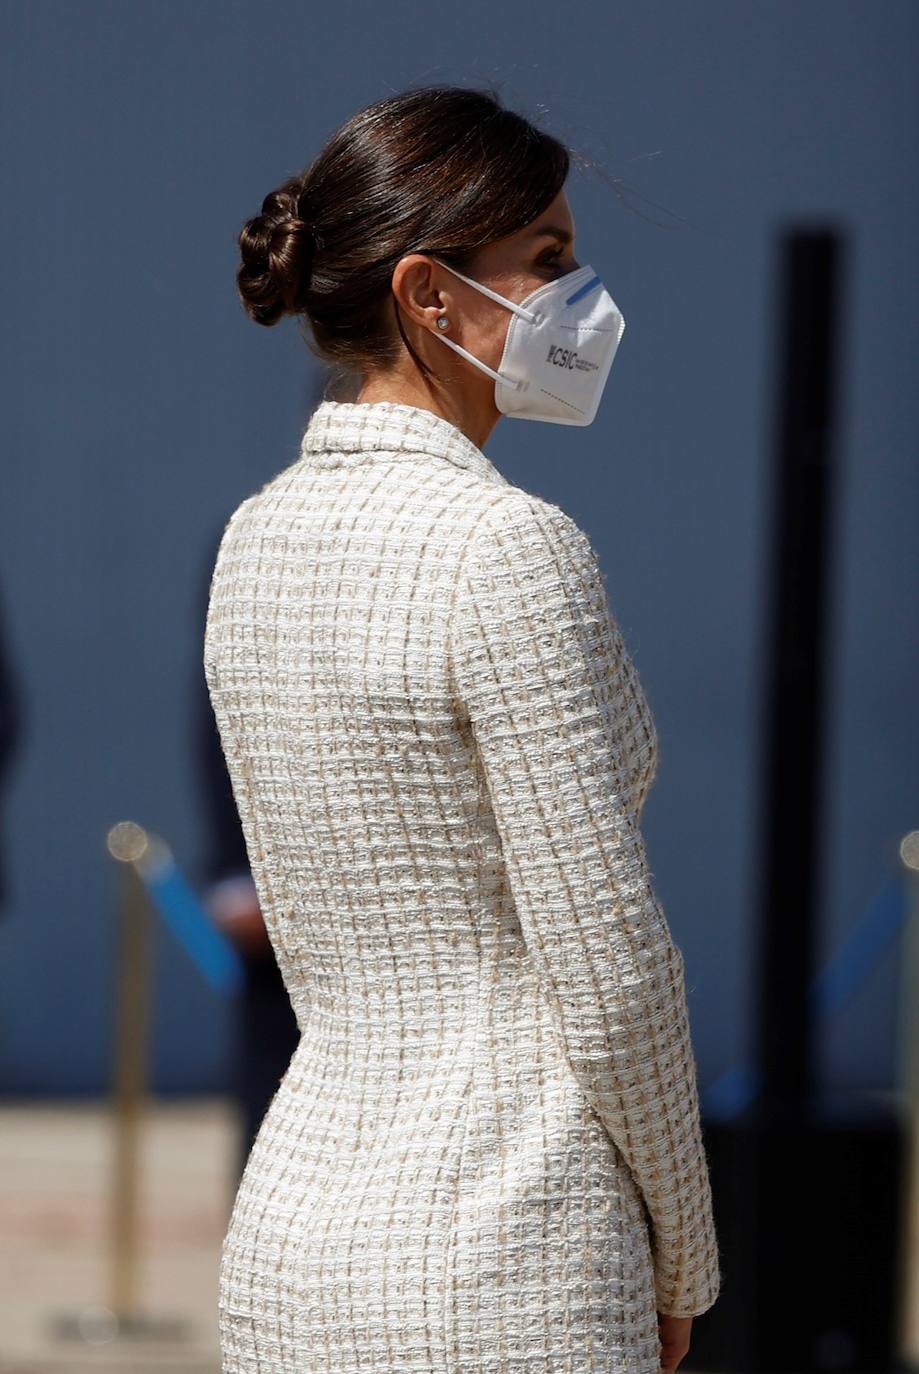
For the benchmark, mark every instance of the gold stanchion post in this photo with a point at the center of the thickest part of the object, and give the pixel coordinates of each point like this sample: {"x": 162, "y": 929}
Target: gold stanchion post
{"x": 129, "y": 1086}
{"x": 100, "y": 1325}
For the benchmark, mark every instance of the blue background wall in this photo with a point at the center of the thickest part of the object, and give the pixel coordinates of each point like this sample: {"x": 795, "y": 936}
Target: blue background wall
{"x": 141, "y": 406}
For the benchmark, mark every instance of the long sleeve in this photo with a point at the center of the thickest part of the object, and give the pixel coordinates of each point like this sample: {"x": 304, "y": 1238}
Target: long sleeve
{"x": 541, "y": 668}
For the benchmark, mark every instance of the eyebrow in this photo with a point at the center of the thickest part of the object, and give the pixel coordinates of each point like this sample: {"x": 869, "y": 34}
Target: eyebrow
{"x": 553, "y": 231}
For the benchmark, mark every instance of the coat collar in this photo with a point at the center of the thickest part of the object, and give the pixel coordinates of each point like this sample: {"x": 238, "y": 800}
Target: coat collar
{"x": 341, "y": 433}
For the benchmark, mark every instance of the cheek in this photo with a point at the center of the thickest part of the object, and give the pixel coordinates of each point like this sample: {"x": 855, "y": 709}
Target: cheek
{"x": 487, "y": 334}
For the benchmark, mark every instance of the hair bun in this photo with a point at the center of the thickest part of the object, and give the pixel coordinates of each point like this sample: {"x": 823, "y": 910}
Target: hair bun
{"x": 277, "y": 248}
{"x": 433, "y": 169}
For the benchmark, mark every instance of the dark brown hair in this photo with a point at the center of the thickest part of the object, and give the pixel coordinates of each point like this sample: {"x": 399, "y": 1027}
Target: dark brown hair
{"x": 441, "y": 169}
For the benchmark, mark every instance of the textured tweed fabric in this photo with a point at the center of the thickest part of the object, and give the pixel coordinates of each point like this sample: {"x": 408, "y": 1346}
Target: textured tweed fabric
{"x": 485, "y": 1156}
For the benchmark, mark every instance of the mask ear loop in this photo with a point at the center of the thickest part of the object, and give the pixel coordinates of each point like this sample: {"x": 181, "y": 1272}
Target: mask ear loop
{"x": 502, "y": 300}
{"x": 495, "y": 296}
{"x": 458, "y": 348}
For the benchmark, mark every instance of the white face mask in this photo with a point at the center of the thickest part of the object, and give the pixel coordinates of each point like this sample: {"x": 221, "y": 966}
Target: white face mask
{"x": 559, "y": 349}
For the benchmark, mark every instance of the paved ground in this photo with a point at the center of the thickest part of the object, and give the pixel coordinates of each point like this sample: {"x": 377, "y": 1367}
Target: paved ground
{"x": 55, "y": 1165}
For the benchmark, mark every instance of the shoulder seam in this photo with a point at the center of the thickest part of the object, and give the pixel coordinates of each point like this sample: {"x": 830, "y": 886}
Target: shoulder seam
{"x": 520, "y": 498}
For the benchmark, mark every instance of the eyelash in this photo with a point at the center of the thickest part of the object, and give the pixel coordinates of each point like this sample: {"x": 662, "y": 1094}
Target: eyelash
{"x": 553, "y": 259}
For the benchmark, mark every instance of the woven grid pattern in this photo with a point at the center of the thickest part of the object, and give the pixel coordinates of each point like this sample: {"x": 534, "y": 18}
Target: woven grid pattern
{"x": 485, "y": 1156}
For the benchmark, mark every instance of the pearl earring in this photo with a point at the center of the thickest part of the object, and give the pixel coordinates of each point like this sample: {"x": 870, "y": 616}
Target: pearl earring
{"x": 443, "y": 322}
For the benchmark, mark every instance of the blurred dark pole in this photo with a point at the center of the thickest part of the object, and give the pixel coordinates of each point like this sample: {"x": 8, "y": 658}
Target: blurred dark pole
{"x": 786, "y": 1201}
{"x": 11, "y": 731}
{"x": 796, "y": 642}
{"x": 808, "y": 1190}
{"x": 826, "y": 1172}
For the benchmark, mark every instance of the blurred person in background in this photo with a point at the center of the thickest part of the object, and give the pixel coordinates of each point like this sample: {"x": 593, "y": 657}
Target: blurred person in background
{"x": 266, "y": 1027}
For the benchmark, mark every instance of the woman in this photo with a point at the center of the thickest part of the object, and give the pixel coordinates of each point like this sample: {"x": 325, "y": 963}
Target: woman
{"x": 486, "y": 1151}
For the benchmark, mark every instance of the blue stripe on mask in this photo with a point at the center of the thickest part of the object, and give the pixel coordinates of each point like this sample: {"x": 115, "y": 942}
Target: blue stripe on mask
{"x": 583, "y": 290}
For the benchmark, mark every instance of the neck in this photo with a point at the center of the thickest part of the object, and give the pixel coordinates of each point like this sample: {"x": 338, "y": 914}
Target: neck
{"x": 476, "y": 415}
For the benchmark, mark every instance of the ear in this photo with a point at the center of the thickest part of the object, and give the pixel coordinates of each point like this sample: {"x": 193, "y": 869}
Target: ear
{"x": 420, "y": 289}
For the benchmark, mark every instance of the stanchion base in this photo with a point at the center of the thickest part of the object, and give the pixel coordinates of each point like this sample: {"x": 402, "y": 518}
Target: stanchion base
{"x": 101, "y": 1326}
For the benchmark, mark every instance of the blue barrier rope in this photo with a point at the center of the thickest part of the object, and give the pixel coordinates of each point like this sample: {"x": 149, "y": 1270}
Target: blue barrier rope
{"x": 213, "y": 955}
{"x": 733, "y": 1091}
{"x": 837, "y": 981}
{"x": 727, "y": 1096}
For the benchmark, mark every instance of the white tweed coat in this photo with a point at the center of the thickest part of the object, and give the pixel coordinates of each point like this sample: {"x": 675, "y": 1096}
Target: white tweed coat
{"x": 485, "y": 1155}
